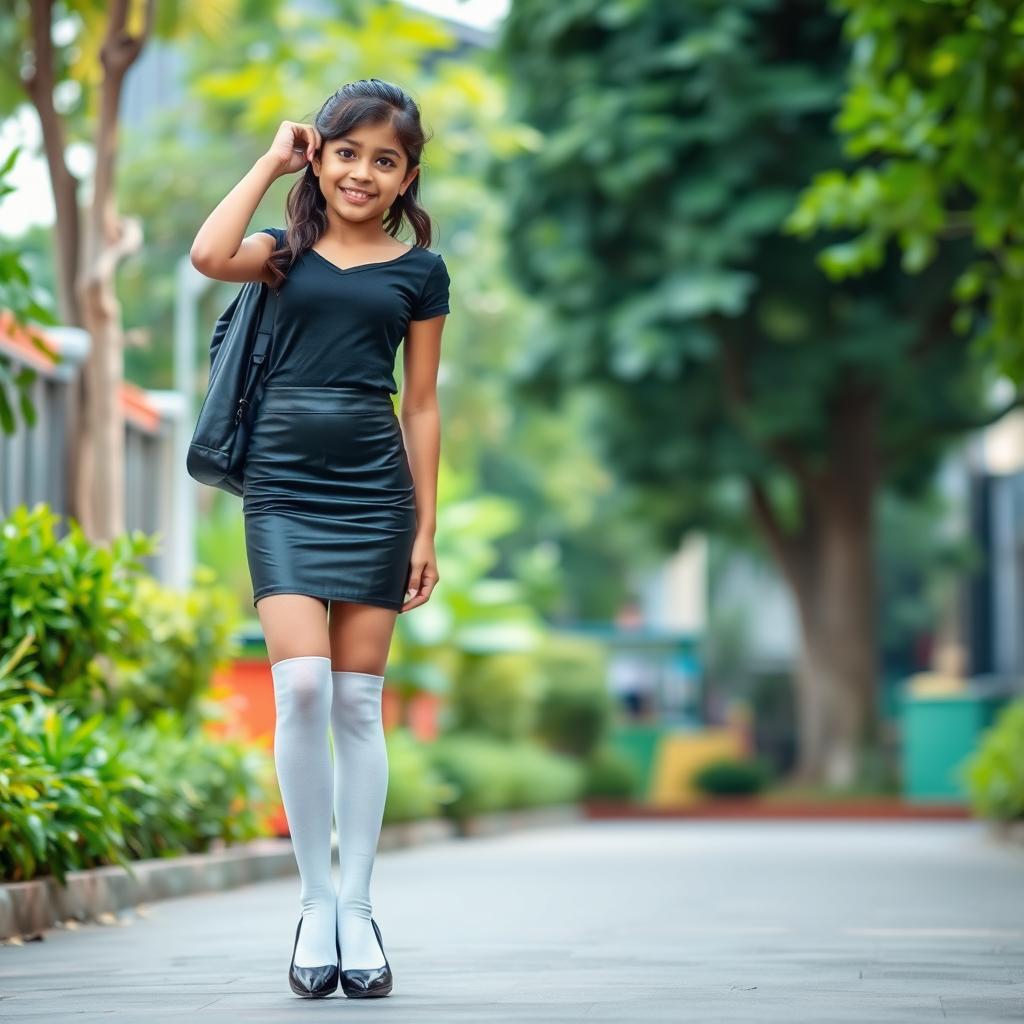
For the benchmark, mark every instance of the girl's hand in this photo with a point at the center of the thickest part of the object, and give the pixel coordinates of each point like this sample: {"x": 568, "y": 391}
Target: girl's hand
{"x": 422, "y": 572}
{"x": 294, "y": 146}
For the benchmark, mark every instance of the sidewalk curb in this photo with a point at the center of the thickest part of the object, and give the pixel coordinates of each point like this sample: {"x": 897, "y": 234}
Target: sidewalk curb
{"x": 754, "y": 809}
{"x": 29, "y": 908}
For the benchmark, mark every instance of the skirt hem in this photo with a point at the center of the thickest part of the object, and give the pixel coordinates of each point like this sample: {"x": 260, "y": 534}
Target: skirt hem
{"x": 379, "y": 602}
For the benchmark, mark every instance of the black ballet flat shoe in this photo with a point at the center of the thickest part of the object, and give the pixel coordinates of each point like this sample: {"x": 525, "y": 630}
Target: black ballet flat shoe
{"x": 365, "y": 982}
{"x": 312, "y": 982}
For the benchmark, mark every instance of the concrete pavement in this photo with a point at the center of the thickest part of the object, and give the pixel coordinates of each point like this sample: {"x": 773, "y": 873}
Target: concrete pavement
{"x": 703, "y": 921}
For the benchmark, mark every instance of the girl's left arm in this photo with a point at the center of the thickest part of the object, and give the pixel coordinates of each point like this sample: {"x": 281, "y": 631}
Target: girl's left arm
{"x": 420, "y": 418}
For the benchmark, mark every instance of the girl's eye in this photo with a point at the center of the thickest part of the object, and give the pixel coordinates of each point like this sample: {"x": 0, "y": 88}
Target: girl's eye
{"x": 391, "y": 162}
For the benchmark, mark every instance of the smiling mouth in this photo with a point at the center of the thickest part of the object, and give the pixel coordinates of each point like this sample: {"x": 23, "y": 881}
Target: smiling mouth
{"x": 357, "y": 193}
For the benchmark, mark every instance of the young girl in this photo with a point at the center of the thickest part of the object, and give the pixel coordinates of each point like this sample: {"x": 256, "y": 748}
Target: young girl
{"x": 339, "y": 497}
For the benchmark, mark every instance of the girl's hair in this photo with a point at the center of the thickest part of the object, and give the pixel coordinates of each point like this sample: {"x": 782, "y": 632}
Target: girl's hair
{"x": 368, "y": 101}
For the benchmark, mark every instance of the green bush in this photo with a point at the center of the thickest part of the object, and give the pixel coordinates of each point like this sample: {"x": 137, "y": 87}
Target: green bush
{"x": 194, "y": 787}
{"x": 610, "y": 773}
{"x": 994, "y": 774}
{"x": 540, "y": 777}
{"x": 415, "y": 789}
{"x": 78, "y": 793}
{"x": 490, "y": 775}
{"x": 76, "y": 598}
{"x": 103, "y": 754}
{"x": 476, "y": 768}
{"x": 61, "y": 792}
{"x": 220, "y": 548}
{"x": 576, "y": 709}
{"x": 496, "y": 693}
{"x": 727, "y": 776}
{"x": 102, "y": 629}
{"x": 189, "y": 635}
{"x": 18, "y": 690}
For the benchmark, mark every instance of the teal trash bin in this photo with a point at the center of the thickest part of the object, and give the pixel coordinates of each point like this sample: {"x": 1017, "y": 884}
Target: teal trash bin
{"x": 940, "y": 731}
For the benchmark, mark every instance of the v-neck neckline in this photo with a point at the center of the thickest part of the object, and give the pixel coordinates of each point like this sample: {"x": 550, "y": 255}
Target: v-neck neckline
{"x": 360, "y": 266}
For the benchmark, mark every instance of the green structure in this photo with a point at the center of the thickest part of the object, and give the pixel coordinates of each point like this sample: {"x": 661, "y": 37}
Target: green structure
{"x": 939, "y": 732}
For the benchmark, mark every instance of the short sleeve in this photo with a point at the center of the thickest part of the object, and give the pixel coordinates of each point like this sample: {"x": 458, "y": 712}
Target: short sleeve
{"x": 278, "y": 234}
{"x": 433, "y": 299}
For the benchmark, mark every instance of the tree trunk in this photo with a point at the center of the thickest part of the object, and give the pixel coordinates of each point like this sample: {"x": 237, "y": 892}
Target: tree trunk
{"x": 86, "y": 265}
{"x": 836, "y": 673}
{"x": 105, "y": 421}
{"x": 829, "y": 564}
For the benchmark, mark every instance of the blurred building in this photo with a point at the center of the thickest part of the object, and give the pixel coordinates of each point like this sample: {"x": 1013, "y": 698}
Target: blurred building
{"x": 988, "y": 618}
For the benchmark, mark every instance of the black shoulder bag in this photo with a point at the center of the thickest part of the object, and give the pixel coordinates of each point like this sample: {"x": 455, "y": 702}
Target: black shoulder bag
{"x": 241, "y": 341}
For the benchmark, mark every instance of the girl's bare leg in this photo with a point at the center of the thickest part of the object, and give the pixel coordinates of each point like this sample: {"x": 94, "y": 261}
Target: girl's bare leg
{"x": 293, "y": 625}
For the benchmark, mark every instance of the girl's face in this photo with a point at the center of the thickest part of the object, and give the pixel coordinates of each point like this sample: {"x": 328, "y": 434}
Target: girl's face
{"x": 370, "y": 160}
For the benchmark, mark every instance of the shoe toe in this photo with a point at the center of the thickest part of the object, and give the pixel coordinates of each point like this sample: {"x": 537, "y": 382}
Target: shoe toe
{"x": 366, "y": 982}
{"x": 315, "y": 981}
{"x": 312, "y": 982}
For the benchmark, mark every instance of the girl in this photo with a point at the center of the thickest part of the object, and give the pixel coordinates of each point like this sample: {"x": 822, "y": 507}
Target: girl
{"x": 339, "y": 497}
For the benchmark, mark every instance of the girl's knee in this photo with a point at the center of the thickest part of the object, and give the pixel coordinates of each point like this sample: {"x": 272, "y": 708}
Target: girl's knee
{"x": 304, "y": 680}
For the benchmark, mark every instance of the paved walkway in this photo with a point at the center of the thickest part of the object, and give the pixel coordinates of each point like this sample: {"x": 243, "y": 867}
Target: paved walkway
{"x": 615, "y": 922}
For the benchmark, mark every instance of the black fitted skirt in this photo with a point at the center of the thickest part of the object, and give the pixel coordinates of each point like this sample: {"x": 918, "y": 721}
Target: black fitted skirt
{"x": 328, "y": 496}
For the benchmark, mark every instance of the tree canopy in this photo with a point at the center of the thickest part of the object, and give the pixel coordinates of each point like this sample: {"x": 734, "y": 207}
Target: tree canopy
{"x": 737, "y": 385}
{"x": 934, "y": 114}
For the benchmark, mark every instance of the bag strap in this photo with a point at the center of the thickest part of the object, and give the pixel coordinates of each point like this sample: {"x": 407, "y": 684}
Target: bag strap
{"x": 261, "y": 346}
{"x": 265, "y": 331}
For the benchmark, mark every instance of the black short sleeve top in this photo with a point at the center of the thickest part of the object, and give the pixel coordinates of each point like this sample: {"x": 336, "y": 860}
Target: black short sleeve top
{"x": 338, "y": 327}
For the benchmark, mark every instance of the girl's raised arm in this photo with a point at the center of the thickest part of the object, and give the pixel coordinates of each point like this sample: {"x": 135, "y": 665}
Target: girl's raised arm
{"x": 219, "y": 251}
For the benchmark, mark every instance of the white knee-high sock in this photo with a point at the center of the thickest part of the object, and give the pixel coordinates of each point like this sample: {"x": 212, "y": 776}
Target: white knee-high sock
{"x": 360, "y": 789}
{"x": 302, "y": 757}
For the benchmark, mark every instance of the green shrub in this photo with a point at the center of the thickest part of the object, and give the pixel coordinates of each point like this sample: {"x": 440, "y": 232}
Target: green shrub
{"x": 576, "y": 709}
{"x": 610, "y": 773}
{"x": 13, "y": 678}
{"x": 540, "y": 777}
{"x": 61, "y": 792}
{"x": 196, "y": 787}
{"x": 189, "y": 635}
{"x": 491, "y": 775}
{"x": 76, "y": 598}
{"x": 475, "y": 767}
{"x": 89, "y": 645}
{"x": 994, "y": 774}
{"x": 497, "y": 694}
{"x": 727, "y": 776}
{"x": 415, "y": 789}
{"x": 80, "y": 793}
{"x": 102, "y": 629}
{"x": 220, "y": 548}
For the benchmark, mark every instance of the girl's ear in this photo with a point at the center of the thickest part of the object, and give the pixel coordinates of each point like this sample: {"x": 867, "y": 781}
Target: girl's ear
{"x": 408, "y": 181}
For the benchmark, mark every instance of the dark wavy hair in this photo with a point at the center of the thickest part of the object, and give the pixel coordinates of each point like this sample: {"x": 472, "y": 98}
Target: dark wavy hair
{"x": 368, "y": 101}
